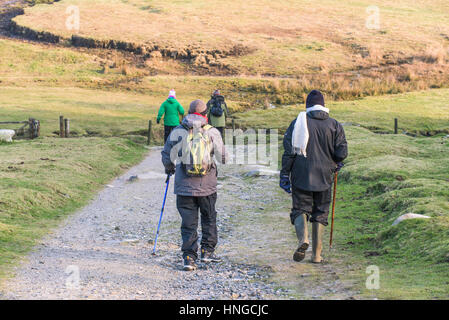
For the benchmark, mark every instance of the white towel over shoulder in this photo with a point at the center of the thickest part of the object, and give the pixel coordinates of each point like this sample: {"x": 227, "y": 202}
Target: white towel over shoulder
{"x": 300, "y": 136}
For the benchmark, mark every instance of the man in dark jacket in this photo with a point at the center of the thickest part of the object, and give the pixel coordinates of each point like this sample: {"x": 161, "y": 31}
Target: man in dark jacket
{"x": 314, "y": 148}
{"x": 195, "y": 193}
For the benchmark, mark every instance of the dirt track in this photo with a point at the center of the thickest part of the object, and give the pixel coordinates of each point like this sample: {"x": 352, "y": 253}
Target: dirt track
{"x": 109, "y": 243}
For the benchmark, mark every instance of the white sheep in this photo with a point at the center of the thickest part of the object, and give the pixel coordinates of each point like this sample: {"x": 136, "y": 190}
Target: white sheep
{"x": 6, "y": 135}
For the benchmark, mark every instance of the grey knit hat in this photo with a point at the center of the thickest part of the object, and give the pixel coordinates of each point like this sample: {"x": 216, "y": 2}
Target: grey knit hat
{"x": 197, "y": 106}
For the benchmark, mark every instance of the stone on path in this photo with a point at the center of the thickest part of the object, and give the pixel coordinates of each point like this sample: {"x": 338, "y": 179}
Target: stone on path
{"x": 261, "y": 171}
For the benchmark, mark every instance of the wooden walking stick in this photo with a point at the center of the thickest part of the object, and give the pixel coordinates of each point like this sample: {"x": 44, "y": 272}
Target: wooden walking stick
{"x": 333, "y": 209}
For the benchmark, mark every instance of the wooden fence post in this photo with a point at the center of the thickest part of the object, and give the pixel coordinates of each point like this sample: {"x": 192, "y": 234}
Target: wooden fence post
{"x": 31, "y": 128}
{"x": 34, "y": 128}
{"x": 66, "y": 128}
{"x": 149, "y": 132}
{"x": 395, "y": 125}
{"x": 61, "y": 126}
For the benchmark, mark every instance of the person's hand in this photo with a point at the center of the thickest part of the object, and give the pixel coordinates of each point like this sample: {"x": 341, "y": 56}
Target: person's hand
{"x": 158, "y": 121}
{"x": 284, "y": 183}
{"x": 170, "y": 170}
{"x": 339, "y": 166}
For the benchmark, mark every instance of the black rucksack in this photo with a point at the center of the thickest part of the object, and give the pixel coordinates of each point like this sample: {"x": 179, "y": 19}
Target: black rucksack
{"x": 216, "y": 110}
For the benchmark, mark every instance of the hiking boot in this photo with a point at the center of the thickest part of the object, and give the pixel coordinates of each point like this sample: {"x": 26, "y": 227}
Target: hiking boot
{"x": 207, "y": 257}
{"x": 189, "y": 264}
{"x": 317, "y": 241}
{"x": 302, "y": 234}
{"x": 300, "y": 253}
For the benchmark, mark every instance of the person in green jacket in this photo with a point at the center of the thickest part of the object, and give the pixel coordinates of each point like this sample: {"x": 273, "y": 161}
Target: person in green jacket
{"x": 170, "y": 110}
{"x": 217, "y": 111}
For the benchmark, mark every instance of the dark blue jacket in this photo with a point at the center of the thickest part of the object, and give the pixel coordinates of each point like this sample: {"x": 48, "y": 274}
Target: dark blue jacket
{"x": 327, "y": 145}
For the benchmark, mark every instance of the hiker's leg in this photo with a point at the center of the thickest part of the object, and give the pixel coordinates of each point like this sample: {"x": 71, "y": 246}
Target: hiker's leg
{"x": 302, "y": 204}
{"x": 208, "y": 222}
{"x": 188, "y": 209}
{"x": 302, "y": 207}
{"x": 221, "y": 130}
{"x": 317, "y": 241}
{"x": 321, "y": 204}
{"x": 167, "y": 131}
{"x": 320, "y": 213}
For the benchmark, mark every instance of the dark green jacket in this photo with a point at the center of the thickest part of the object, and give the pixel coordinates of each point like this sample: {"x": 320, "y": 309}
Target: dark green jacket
{"x": 217, "y": 122}
{"x": 170, "y": 110}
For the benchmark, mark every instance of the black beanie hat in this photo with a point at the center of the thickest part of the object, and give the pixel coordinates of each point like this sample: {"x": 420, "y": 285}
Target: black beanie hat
{"x": 315, "y": 97}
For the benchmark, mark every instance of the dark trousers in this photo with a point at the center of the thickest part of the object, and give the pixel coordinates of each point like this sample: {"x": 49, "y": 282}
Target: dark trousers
{"x": 222, "y": 132}
{"x": 313, "y": 204}
{"x": 167, "y": 131}
{"x": 188, "y": 209}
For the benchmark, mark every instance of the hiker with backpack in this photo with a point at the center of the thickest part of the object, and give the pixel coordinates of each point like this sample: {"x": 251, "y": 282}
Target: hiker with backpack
{"x": 171, "y": 109}
{"x": 189, "y": 154}
{"x": 314, "y": 148}
{"x": 217, "y": 111}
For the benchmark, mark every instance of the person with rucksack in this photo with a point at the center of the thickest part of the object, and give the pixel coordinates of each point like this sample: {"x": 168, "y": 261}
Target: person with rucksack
{"x": 171, "y": 109}
{"x": 217, "y": 111}
{"x": 314, "y": 148}
{"x": 189, "y": 154}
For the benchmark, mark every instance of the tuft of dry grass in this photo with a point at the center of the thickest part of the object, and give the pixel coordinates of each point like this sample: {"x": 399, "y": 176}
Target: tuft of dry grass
{"x": 436, "y": 54}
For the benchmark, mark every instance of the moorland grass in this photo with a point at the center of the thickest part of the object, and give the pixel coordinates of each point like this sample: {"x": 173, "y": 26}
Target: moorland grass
{"x": 386, "y": 176}
{"x": 288, "y": 37}
{"x": 321, "y": 44}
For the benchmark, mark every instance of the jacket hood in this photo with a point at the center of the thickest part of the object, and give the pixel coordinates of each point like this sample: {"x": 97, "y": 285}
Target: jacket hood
{"x": 318, "y": 115}
{"x": 171, "y": 100}
{"x": 194, "y": 120}
{"x": 218, "y": 97}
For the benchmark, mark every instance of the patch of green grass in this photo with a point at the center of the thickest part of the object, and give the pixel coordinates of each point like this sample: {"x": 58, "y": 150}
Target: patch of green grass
{"x": 91, "y": 112}
{"x": 23, "y": 61}
{"x": 43, "y": 180}
{"x": 423, "y": 112}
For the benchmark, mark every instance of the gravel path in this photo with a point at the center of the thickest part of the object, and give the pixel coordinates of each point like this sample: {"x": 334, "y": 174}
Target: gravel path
{"x": 109, "y": 242}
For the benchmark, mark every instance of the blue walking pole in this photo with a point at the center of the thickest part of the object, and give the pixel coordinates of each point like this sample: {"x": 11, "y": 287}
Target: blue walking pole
{"x": 162, "y": 212}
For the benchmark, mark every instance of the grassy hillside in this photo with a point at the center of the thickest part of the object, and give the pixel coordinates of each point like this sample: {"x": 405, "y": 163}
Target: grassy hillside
{"x": 281, "y": 37}
{"x": 43, "y": 180}
{"x": 278, "y": 50}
